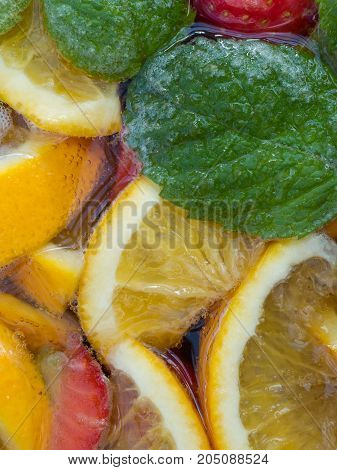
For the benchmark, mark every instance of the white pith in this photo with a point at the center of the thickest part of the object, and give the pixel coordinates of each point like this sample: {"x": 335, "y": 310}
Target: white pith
{"x": 103, "y": 255}
{"x": 56, "y": 112}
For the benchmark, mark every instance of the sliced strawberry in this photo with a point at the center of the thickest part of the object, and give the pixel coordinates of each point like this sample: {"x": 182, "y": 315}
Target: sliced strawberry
{"x": 293, "y": 16}
{"x": 81, "y": 397}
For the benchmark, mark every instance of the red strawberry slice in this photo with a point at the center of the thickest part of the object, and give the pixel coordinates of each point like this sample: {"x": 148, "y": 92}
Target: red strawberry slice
{"x": 293, "y": 16}
{"x": 81, "y": 397}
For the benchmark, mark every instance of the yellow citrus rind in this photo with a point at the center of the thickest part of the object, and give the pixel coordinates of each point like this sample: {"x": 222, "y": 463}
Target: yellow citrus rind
{"x": 24, "y": 407}
{"x": 236, "y": 325}
{"x": 159, "y": 386}
{"x": 151, "y": 272}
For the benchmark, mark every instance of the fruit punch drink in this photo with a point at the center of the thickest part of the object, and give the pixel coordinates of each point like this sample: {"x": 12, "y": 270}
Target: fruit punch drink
{"x": 168, "y": 208}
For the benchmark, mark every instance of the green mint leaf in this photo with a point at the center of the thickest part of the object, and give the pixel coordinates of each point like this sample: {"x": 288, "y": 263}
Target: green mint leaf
{"x": 241, "y": 132}
{"x": 111, "y": 39}
{"x": 327, "y": 31}
{"x": 11, "y": 12}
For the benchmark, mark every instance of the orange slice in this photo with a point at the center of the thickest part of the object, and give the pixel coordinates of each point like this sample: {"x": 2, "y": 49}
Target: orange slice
{"x": 151, "y": 272}
{"x": 269, "y": 363}
{"x": 24, "y": 407}
{"x": 50, "y": 277}
{"x": 36, "y": 326}
{"x": 40, "y": 188}
{"x": 154, "y": 410}
{"x": 37, "y": 83}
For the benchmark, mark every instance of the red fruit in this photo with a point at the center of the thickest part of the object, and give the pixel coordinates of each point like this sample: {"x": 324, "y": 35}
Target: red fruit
{"x": 128, "y": 168}
{"x": 293, "y": 16}
{"x": 81, "y": 398}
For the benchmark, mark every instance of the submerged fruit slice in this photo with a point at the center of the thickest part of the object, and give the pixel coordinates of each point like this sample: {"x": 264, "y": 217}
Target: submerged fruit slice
{"x": 41, "y": 183}
{"x": 49, "y": 278}
{"x": 293, "y": 16}
{"x": 270, "y": 368}
{"x": 154, "y": 410}
{"x": 38, "y": 84}
{"x": 80, "y": 395}
{"x": 38, "y": 327}
{"x": 24, "y": 408}
{"x": 151, "y": 272}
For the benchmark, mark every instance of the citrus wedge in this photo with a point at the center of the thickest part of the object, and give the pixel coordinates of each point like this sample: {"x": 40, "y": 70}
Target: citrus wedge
{"x": 154, "y": 410}
{"x": 38, "y": 327}
{"x": 49, "y": 278}
{"x": 24, "y": 407}
{"x": 269, "y": 368}
{"x": 38, "y": 84}
{"x": 150, "y": 272}
{"x": 41, "y": 186}
{"x": 6, "y": 121}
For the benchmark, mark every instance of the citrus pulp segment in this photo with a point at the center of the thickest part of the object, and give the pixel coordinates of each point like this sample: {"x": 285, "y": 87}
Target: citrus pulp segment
{"x": 40, "y": 188}
{"x": 24, "y": 407}
{"x": 151, "y": 272}
{"x": 153, "y": 408}
{"x": 268, "y": 376}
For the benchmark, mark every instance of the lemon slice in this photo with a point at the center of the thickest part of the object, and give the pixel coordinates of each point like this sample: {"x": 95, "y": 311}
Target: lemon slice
{"x": 269, "y": 370}
{"x": 49, "y": 277}
{"x": 153, "y": 408}
{"x": 36, "y": 326}
{"x": 24, "y": 408}
{"x": 41, "y": 186}
{"x": 37, "y": 83}
{"x": 150, "y": 272}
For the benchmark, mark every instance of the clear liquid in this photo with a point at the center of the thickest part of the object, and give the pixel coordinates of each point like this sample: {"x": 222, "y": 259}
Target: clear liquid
{"x": 120, "y": 169}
